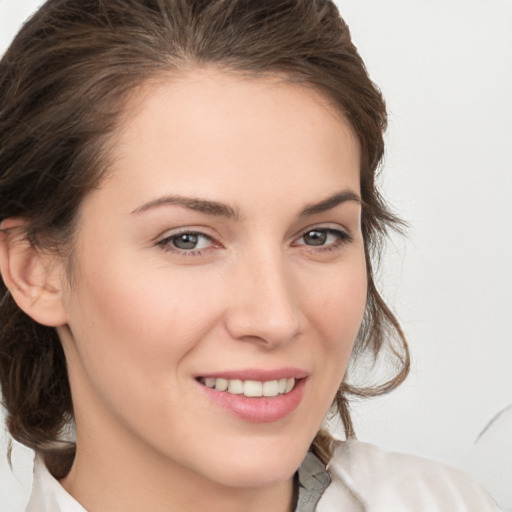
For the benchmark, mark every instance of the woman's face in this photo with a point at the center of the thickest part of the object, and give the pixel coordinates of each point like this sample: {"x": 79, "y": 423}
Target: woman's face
{"x": 223, "y": 249}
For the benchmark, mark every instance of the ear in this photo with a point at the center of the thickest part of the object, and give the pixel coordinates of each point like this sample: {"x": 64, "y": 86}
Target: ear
{"x": 34, "y": 277}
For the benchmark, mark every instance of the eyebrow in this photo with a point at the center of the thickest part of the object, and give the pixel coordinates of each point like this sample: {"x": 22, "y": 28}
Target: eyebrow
{"x": 196, "y": 204}
{"x": 223, "y": 210}
{"x": 330, "y": 203}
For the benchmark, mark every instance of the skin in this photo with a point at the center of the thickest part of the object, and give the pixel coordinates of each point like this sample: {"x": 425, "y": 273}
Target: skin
{"x": 144, "y": 318}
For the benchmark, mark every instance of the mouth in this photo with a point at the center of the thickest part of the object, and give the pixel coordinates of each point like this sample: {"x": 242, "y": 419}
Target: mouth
{"x": 256, "y": 396}
{"x": 250, "y": 388}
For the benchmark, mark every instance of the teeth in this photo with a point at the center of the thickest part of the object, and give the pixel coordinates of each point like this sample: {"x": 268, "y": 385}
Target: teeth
{"x": 236, "y": 387}
{"x": 251, "y": 388}
{"x": 221, "y": 384}
{"x": 271, "y": 388}
{"x": 210, "y": 382}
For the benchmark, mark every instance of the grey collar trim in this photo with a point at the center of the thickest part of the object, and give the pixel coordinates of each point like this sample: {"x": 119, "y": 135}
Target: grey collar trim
{"x": 313, "y": 480}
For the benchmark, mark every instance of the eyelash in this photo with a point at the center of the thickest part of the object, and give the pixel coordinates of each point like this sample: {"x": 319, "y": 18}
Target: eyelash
{"x": 165, "y": 244}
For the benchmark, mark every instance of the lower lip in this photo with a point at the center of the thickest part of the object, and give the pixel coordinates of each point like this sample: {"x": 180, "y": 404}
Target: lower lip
{"x": 261, "y": 409}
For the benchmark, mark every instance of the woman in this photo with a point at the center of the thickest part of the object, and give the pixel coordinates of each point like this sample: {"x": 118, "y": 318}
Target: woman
{"x": 189, "y": 214}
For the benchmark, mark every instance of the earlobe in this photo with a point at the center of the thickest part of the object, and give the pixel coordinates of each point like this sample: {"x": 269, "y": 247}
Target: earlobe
{"x": 33, "y": 277}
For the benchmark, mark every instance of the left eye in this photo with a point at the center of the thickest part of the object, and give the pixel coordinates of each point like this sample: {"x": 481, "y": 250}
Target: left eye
{"x": 188, "y": 241}
{"x": 322, "y": 237}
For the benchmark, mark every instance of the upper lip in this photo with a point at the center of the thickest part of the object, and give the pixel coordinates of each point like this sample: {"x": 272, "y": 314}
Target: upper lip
{"x": 257, "y": 374}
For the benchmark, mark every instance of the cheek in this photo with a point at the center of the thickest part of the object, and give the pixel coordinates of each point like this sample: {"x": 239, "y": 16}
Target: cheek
{"x": 132, "y": 334}
{"x": 336, "y": 305}
{"x": 142, "y": 318}
{"x": 135, "y": 331}
{"x": 336, "y": 311}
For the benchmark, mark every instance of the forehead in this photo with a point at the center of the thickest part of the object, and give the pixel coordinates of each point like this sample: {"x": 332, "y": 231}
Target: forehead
{"x": 208, "y": 132}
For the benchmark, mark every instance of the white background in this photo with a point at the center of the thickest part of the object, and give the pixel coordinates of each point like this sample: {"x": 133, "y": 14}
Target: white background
{"x": 445, "y": 68}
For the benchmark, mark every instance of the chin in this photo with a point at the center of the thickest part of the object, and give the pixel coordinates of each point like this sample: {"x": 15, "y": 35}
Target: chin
{"x": 247, "y": 475}
{"x": 259, "y": 464}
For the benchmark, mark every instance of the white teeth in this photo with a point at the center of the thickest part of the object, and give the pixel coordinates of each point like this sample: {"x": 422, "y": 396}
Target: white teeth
{"x": 221, "y": 384}
{"x": 271, "y": 388}
{"x": 210, "y": 382}
{"x": 236, "y": 387}
{"x": 251, "y": 388}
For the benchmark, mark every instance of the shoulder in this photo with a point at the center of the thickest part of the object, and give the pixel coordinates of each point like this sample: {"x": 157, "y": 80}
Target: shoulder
{"x": 386, "y": 481}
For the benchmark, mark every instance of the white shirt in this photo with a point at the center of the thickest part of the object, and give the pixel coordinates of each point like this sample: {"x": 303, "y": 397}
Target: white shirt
{"x": 360, "y": 478}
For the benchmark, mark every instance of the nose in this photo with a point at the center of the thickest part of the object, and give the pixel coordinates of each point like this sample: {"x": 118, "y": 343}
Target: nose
{"x": 264, "y": 306}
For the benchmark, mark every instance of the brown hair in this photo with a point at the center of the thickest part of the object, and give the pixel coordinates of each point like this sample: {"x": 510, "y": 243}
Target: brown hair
{"x": 63, "y": 83}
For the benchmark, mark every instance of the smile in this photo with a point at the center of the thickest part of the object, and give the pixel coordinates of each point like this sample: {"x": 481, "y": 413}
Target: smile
{"x": 250, "y": 388}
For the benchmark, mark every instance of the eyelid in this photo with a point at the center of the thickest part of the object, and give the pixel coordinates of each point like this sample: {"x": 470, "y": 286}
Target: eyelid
{"x": 323, "y": 227}
{"x": 193, "y": 230}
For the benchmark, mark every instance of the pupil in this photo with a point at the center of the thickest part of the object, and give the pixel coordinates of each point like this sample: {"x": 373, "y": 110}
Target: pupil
{"x": 315, "y": 237}
{"x": 186, "y": 241}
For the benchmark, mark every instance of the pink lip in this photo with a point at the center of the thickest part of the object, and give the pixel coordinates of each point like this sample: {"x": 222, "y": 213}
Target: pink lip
{"x": 262, "y": 409}
{"x": 258, "y": 374}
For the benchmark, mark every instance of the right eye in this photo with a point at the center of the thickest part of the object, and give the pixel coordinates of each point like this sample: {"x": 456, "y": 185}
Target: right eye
{"x": 187, "y": 242}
